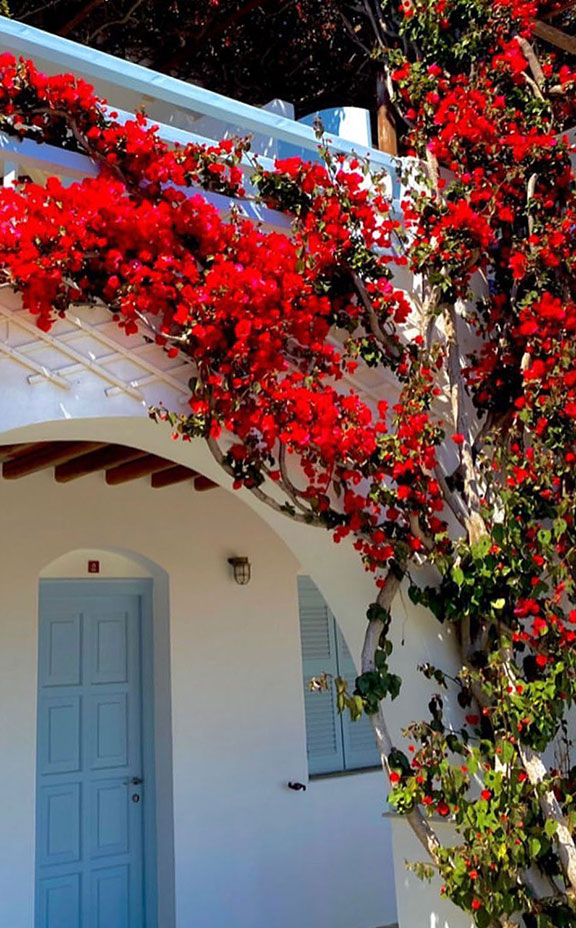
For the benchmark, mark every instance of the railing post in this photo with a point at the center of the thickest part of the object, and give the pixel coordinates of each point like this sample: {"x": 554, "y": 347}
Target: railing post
{"x": 9, "y": 173}
{"x": 387, "y": 139}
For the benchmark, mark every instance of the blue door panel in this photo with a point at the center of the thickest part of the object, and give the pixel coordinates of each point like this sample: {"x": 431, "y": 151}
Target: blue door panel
{"x": 109, "y": 731}
{"x": 60, "y": 648}
{"x": 59, "y": 824}
{"x": 59, "y": 901}
{"x": 110, "y": 897}
{"x": 109, "y": 650}
{"x": 59, "y": 734}
{"x": 110, "y": 814}
{"x": 89, "y": 812}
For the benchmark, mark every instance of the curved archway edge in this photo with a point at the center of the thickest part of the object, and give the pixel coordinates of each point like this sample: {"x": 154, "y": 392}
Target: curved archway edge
{"x": 336, "y": 569}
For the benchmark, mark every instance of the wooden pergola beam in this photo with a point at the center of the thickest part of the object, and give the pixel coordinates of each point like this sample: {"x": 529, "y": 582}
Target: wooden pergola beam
{"x": 103, "y": 459}
{"x": 40, "y": 458}
{"x": 167, "y": 478}
{"x": 142, "y": 467}
{"x": 9, "y": 451}
{"x": 563, "y": 8}
{"x": 72, "y": 460}
{"x": 202, "y": 483}
{"x": 555, "y": 36}
{"x": 385, "y": 118}
{"x": 71, "y": 24}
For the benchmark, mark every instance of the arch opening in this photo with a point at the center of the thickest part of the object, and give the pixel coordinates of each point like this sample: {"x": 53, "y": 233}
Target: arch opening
{"x": 141, "y": 737}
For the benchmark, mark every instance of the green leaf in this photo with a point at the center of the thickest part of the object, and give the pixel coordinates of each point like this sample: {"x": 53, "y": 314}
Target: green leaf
{"x": 458, "y": 575}
{"x": 506, "y": 751}
{"x": 535, "y": 845}
{"x": 544, "y": 536}
{"x": 498, "y": 533}
{"x": 394, "y": 684}
{"x": 560, "y": 526}
{"x": 483, "y": 918}
{"x": 498, "y": 603}
{"x": 481, "y": 547}
{"x": 550, "y": 827}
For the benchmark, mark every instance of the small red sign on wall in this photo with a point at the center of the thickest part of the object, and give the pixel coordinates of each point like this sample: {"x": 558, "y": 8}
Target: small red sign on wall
{"x": 93, "y": 567}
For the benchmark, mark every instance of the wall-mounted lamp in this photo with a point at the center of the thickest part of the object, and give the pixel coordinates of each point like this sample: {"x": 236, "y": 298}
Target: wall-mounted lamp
{"x": 242, "y": 569}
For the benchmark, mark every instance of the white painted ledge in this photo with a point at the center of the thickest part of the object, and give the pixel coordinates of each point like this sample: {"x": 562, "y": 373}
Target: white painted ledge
{"x": 21, "y": 39}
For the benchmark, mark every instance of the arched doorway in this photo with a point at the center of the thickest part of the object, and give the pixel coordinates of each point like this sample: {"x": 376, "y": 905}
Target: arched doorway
{"x": 101, "y": 735}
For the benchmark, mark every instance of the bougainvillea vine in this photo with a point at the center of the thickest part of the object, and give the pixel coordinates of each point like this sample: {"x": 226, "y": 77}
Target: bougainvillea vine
{"x": 469, "y": 466}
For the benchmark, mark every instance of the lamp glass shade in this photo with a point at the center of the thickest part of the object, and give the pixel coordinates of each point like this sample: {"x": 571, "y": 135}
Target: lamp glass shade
{"x": 242, "y": 569}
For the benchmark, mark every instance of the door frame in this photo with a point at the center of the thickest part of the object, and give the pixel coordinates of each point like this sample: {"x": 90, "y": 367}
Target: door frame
{"x": 144, "y": 588}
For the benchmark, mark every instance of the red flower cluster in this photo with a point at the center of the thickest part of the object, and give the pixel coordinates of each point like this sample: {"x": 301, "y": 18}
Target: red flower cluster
{"x": 252, "y": 308}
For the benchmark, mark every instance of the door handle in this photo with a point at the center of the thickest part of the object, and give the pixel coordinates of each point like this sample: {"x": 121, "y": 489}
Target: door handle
{"x": 134, "y": 781}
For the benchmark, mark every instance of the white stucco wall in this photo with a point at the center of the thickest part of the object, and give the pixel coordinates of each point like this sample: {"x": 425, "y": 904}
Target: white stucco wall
{"x": 420, "y": 904}
{"x": 248, "y": 852}
{"x": 34, "y": 409}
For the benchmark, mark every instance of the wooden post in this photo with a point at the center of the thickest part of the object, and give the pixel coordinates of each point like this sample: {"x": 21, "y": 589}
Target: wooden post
{"x": 555, "y": 37}
{"x": 387, "y": 139}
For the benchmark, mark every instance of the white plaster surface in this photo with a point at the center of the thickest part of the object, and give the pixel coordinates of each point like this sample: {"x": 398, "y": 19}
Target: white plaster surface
{"x": 247, "y": 851}
{"x": 420, "y": 904}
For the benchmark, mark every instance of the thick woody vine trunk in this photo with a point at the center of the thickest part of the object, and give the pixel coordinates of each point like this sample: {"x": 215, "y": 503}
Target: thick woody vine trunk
{"x": 536, "y": 772}
{"x": 476, "y": 528}
{"x": 419, "y": 824}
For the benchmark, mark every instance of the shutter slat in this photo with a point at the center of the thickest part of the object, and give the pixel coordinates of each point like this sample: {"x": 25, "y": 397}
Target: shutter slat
{"x": 359, "y": 743}
{"x": 333, "y": 741}
{"x": 323, "y": 727}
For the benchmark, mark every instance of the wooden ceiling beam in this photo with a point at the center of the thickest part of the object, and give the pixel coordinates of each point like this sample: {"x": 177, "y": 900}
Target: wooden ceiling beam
{"x": 9, "y": 451}
{"x": 48, "y": 455}
{"x": 72, "y": 460}
{"x": 142, "y": 467}
{"x": 103, "y": 459}
{"x": 555, "y": 36}
{"x": 167, "y": 478}
{"x": 204, "y": 483}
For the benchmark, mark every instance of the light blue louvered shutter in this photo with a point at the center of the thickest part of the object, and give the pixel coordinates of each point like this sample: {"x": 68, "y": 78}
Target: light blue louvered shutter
{"x": 359, "y": 745}
{"x": 323, "y": 724}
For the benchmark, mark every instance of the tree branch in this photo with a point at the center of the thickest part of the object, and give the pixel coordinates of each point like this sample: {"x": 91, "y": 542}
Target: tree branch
{"x": 454, "y": 500}
{"x": 532, "y": 59}
{"x": 80, "y": 16}
{"x": 419, "y": 824}
{"x": 116, "y": 22}
{"x": 286, "y": 482}
{"x": 474, "y": 521}
{"x": 260, "y": 495}
{"x": 378, "y": 332}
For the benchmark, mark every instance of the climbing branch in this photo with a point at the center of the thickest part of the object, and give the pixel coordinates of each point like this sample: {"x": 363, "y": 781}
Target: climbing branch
{"x": 417, "y": 821}
{"x": 259, "y": 493}
{"x": 457, "y": 390}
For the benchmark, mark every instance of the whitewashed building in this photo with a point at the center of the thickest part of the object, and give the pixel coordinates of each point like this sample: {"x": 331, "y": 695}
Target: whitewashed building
{"x": 153, "y": 716}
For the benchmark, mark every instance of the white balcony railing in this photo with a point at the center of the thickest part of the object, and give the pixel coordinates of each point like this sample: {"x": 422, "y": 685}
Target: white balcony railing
{"x": 184, "y": 112}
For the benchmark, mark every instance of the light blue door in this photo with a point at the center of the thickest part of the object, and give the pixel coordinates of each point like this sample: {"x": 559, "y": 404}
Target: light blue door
{"x": 90, "y": 795}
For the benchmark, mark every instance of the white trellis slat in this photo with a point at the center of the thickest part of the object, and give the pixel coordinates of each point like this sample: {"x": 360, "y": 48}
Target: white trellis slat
{"x": 40, "y": 369}
{"x": 65, "y": 349}
{"x": 133, "y": 355}
{"x": 128, "y": 354}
